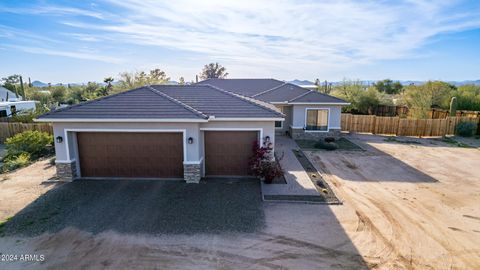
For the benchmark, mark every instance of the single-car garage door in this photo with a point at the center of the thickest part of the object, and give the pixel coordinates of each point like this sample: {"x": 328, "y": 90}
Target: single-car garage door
{"x": 227, "y": 152}
{"x": 125, "y": 154}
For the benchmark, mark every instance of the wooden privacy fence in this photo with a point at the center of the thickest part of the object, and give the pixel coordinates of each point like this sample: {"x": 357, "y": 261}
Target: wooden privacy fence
{"x": 434, "y": 113}
{"x": 440, "y": 113}
{"x": 10, "y": 129}
{"x": 402, "y": 126}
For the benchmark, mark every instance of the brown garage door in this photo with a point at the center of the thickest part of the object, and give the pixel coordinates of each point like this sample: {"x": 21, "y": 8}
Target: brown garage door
{"x": 228, "y": 152}
{"x": 142, "y": 155}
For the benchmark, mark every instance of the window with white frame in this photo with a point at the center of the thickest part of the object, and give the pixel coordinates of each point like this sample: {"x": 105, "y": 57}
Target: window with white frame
{"x": 317, "y": 119}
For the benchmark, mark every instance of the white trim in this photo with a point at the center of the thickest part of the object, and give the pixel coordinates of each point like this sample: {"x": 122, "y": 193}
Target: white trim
{"x": 197, "y": 162}
{"x": 293, "y": 127}
{"x": 122, "y": 120}
{"x": 64, "y": 161}
{"x": 155, "y": 120}
{"x": 248, "y": 119}
{"x": 310, "y": 103}
{"x": 316, "y": 109}
{"x": 335, "y": 127}
{"x": 183, "y": 131}
{"x": 320, "y": 103}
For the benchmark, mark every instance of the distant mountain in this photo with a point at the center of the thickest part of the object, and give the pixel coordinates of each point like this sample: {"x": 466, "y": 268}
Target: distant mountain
{"x": 42, "y": 84}
{"x": 301, "y": 82}
{"x": 370, "y": 82}
{"x": 459, "y": 83}
{"x": 39, "y": 84}
{"x": 296, "y": 81}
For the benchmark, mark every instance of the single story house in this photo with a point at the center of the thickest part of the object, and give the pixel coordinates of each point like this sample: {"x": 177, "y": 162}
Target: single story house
{"x": 308, "y": 114}
{"x": 184, "y": 132}
{"x": 161, "y": 131}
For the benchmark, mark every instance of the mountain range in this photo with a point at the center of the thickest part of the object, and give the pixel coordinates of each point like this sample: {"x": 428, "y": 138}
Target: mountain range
{"x": 370, "y": 82}
{"x": 296, "y": 81}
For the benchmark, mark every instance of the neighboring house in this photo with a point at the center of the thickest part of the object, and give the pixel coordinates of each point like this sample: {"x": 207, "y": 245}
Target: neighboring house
{"x": 161, "y": 131}
{"x": 7, "y": 95}
{"x": 308, "y": 114}
{"x": 10, "y": 108}
{"x": 11, "y": 103}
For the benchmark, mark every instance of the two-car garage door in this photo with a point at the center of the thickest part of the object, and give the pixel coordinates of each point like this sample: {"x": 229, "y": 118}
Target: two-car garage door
{"x": 141, "y": 155}
{"x": 160, "y": 155}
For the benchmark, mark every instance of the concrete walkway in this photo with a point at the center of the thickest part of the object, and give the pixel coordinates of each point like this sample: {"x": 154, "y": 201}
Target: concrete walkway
{"x": 298, "y": 182}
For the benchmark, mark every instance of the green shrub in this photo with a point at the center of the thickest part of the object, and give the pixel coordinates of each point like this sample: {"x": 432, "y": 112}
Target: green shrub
{"x": 465, "y": 129}
{"x": 13, "y": 163}
{"x": 34, "y": 143}
{"x": 329, "y": 139}
{"x": 326, "y": 145}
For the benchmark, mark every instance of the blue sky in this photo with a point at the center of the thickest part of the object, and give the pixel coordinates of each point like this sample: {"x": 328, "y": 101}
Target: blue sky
{"x": 78, "y": 41}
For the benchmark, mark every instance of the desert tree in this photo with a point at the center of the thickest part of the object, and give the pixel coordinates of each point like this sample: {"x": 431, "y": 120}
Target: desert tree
{"x": 213, "y": 71}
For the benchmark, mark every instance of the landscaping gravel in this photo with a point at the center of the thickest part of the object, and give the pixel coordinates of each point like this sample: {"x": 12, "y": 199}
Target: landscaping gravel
{"x": 144, "y": 207}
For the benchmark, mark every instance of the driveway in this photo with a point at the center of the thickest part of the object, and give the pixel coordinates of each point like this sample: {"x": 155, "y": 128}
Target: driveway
{"x": 165, "y": 225}
{"x": 144, "y": 207}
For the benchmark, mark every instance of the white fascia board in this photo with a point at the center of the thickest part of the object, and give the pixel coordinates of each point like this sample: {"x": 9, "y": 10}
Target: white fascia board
{"x": 279, "y": 102}
{"x": 120, "y": 120}
{"x": 249, "y": 119}
{"x": 321, "y": 103}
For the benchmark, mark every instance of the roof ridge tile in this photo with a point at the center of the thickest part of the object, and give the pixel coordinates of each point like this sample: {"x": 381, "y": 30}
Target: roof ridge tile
{"x": 302, "y": 95}
{"x": 269, "y": 90}
{"x": 188, "y": 107}
{"x": 247, "y": 99}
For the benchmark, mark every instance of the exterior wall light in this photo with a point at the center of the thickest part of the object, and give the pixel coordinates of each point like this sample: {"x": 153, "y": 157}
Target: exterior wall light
{"x": 190, "y": 140}
{"x": 267, "y": 139}
{"x": 59, "y": 139}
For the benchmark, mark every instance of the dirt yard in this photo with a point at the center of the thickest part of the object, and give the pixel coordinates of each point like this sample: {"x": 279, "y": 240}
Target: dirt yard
{"x": 19, "y": 188}
{"x": 406, "y": 206}
{"x": 414, "y": 203}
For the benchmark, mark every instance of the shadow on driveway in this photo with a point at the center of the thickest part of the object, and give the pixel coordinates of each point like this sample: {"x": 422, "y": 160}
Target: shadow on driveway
{"x": 144, "y": 207}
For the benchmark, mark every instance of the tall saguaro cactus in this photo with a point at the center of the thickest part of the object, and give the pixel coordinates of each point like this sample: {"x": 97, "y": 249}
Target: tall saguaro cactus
{"x": 453, "y": 106}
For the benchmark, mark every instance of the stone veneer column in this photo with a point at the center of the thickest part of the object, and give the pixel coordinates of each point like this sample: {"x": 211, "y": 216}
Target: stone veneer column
{"x": 66, "y": 171}
{"x": 191, "y": 173}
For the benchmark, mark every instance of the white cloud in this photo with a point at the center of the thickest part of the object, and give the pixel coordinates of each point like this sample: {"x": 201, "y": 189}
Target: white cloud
{"x": 286, "y": 35}
{"x": 52, "y": 10}
{"x": 83, "y": 55}
{"x": 285, "y": 38}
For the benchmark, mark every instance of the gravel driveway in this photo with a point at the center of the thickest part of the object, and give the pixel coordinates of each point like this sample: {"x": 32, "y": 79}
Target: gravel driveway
{"x": 144, "y": 207}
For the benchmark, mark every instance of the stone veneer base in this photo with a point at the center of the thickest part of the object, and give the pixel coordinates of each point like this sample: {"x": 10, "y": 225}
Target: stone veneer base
{"x": 191, "y": 173}
{"x": 66, "y": 171}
